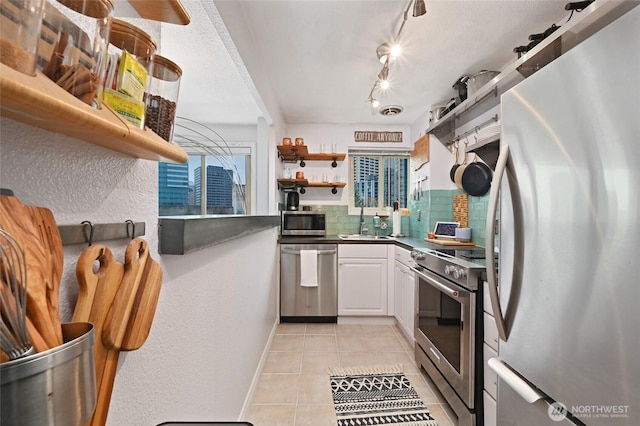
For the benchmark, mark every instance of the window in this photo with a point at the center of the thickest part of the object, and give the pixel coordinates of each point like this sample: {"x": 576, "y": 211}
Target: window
{"x": 206, "y": 185}
{"x": 215, "y": 181}
{"x": 378, "y": 179}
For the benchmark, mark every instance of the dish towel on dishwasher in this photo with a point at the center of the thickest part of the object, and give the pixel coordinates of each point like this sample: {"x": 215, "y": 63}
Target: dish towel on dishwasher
{"x": 309, "y": 268}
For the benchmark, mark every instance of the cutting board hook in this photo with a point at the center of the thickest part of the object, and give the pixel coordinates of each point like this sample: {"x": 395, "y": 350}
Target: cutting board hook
{"x": 88, "y": 236}
{"x": 133, "y": 229}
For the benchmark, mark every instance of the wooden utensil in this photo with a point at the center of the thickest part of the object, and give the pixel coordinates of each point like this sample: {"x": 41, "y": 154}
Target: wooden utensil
{"x": 115, "y": 324}
{"x": 135, "y": 258}
{"x": 97, "y": 289}
{"x": 144, "y": 307}
{"x": 47, "y": 227}
{"x": 16, "y": 219}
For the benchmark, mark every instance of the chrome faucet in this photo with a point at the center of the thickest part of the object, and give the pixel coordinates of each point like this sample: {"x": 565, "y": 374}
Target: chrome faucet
{"x": 363, "y": 229}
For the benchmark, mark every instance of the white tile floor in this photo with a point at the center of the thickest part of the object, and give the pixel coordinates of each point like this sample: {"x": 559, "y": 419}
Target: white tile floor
{"x": 293, "y": 389}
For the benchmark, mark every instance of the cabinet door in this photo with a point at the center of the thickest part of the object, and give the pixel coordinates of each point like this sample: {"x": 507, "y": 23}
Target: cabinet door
{"x": 398, "y": 293}
{"x": 490, "y": 410}
{"x": 362, "y": 286}
{"x": 410, "y": 302}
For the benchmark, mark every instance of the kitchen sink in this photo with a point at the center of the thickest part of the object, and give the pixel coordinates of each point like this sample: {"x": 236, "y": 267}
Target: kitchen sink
{"x": 358, "y": 237}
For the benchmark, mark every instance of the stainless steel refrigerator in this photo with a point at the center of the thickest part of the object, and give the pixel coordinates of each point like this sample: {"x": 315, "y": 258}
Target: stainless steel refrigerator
{"x": 569, "y": 267}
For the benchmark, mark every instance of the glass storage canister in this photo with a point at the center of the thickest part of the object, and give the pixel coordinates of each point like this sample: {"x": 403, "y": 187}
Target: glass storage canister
{"x": 162, "y": 97}
{"x": 73, "y": 46}
{"x": 130, "y": 65}
{"x": 20, "y": 22}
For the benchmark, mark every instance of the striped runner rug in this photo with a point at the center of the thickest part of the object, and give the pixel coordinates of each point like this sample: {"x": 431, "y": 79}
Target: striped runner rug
{"x": 380, "y": 395}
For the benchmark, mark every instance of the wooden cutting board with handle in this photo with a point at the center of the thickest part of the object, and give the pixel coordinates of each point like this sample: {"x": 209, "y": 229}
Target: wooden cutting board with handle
{"x": 144, "y": 307}
{"x": 16, "y": 219}
{"x": 97, "y": 289}
{"x": 135, "y": 258}
{"x": 114, "y": 327}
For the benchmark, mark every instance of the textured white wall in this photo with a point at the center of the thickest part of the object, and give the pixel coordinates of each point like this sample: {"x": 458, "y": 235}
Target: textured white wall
{"x": 215, "y": 314}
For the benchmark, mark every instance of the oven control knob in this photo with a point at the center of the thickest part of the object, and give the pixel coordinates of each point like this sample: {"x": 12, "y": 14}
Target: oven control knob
{"x": 417, "y": 255}
{"x": 449, "y": 269}
{"x": 459, "y": 273}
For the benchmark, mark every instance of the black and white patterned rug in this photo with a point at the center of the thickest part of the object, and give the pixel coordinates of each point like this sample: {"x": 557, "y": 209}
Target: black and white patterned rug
{"x": 376, "y": 396}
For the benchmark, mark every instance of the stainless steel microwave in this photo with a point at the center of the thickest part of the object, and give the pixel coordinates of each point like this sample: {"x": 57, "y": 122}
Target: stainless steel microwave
{"x": 303, "y": 222}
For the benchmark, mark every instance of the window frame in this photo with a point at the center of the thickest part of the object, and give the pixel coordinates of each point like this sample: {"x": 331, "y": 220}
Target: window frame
{"x": 382, "y": 153}
{"x": 247, "y": 149}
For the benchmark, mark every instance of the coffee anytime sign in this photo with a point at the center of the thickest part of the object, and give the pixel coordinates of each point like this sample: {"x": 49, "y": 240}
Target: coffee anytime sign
{"x": 378, "y": 136}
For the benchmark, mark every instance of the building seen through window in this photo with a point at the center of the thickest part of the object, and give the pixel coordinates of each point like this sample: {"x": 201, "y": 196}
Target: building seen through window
{"x": 206, "y": 185}
{"x": 378, "y": 180}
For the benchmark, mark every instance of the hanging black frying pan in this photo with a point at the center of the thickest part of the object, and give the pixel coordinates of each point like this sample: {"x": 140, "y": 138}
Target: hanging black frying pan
{"x": 455, "y": 166}
{"x": 476, "y": 178}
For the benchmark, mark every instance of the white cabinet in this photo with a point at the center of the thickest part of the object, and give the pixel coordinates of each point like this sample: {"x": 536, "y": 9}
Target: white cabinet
{"x": 362, "y": 280}
{"x": 490, "y": 350}
{"x": 404, "y": 292}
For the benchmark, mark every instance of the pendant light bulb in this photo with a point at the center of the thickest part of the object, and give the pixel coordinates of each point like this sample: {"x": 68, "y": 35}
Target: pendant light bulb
{"x": 384, "y": 84}
{"x": 395, "y": 51}
{"x": 375, "y": 103}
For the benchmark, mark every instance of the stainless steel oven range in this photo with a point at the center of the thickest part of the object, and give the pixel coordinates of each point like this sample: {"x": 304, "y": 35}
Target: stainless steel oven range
{"x": 448, "y": 326}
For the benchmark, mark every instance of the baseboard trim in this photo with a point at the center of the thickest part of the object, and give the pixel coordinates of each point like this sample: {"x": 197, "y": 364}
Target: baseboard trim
{"x": 256, "y": 376}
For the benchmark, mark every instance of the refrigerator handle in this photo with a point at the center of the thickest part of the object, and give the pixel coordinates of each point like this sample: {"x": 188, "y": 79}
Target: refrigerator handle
{"x": 492, "y": 211}
{"x": 515, "y": 382}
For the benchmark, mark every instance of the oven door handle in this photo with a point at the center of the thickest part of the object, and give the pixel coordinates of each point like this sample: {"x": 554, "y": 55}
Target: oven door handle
{"x": 492, "y": 210}
{"x": 443, "y": 288}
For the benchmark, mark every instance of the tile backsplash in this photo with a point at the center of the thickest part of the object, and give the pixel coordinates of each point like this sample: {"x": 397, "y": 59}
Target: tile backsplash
{"x": 431, "y": 207}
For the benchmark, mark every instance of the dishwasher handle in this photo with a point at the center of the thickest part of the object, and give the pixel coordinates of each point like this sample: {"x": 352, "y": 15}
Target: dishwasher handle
{"x": 297, "y": 252}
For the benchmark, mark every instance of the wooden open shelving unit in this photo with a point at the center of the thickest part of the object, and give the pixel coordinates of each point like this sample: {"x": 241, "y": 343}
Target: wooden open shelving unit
{"x": 292, "y": 184}
{"x": 38, "y": 101}
{"x": 295, "y": 153}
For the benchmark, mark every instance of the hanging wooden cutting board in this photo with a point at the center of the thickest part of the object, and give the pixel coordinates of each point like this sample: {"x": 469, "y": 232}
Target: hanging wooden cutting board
{"x": 420, "y": 153}
{"x": 97, "y": 290}
{"x": 144, "y": 307}
{"x": 117, "y": 318}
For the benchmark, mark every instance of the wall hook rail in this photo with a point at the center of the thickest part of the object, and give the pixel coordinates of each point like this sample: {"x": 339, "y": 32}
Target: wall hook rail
{"x": 87, "y": 232}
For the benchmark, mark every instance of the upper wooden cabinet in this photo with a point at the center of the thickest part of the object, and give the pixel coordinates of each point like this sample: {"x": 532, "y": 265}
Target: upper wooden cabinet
{"x": 40, "y": 102}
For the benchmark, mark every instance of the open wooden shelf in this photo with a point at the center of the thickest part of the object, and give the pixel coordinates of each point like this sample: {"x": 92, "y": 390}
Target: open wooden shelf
{"x": 295, "y": 153}
{"x": 294, "y": 184}
{"x": 327, "y": 184}
{"x": 40, "y": 102}
{"x": 170, "y": 11}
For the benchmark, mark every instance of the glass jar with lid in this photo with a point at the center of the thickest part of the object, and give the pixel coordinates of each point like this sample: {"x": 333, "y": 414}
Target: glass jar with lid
{"x": 162, "y": 97}
{"x": 73, "y": 46}
{"x": 129, "y": 70}
{"x": 20, "y": 22}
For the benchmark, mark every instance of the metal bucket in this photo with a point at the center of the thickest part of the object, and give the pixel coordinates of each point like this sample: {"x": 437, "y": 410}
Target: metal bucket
{"x": 54, "y": 387}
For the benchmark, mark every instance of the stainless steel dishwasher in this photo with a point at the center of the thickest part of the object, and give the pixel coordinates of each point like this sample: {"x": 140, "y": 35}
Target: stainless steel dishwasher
{"x": 309, "y": 304}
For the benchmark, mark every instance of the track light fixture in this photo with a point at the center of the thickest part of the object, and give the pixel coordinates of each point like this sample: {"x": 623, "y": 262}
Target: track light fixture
{"x": 388, "y": 51}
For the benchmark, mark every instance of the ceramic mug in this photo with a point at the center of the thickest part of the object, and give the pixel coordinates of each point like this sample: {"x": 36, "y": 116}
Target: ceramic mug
{"x": 286, "y": 141}
{"x": 299, "y": 141}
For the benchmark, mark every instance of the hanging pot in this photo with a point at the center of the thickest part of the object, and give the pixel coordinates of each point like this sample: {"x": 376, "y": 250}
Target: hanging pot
{"x": 476, "y": 179}
{"x": 457, "y": 179}
{"x": 455, "y": 166}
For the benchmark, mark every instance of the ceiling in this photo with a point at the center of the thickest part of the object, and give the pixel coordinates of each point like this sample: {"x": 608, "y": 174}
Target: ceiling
{"x": 316, "y": 61}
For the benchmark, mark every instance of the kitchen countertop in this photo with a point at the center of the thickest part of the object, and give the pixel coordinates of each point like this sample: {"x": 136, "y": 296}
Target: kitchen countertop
{"x": 408, "y": 243}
